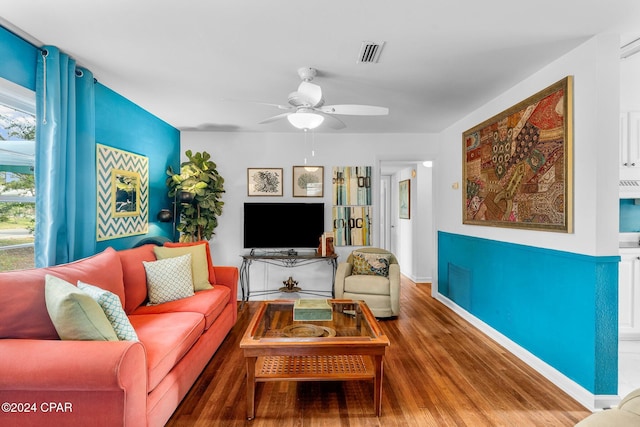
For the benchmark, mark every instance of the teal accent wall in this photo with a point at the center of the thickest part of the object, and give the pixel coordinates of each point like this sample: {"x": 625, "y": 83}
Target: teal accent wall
{"x": 560, "y": 306}
{"x": 124, "y": 125}
{"x": 119, "y": 123}
{"x": 17, "y": 60}
{"x": 629, "y": 216}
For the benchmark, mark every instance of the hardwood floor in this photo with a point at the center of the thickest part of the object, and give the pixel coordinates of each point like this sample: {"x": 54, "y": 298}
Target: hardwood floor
{"x": 438, "y": 371}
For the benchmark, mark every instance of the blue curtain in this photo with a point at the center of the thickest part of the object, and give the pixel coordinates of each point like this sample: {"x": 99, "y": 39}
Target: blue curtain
{"x": 65, "y": 152}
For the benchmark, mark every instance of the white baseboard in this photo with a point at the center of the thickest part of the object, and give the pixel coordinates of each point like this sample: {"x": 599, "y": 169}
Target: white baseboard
{"x": 589, "y": 400}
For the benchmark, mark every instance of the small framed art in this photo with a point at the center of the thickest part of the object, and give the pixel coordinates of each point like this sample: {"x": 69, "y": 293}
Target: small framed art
{"x": 264, "y": 181}
{"x": 404, "y": 192}
{"x": 308, "y": 181}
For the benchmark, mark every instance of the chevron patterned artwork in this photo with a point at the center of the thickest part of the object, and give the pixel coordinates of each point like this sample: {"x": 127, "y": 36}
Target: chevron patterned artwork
{"x": 110, "y": 224}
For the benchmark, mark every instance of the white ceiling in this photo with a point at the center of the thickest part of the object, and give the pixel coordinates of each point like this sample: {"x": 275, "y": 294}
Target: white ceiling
{"x": 193, "y": 63}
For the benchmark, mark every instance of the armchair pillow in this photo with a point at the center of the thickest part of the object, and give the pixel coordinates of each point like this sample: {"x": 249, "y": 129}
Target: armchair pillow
{"x": 169, "y": 279}
{"x": 75, "y": 315}
{"x": 199, "y": 265}
{"x": 371, "y": 263}
{"x": 112, "y": 308}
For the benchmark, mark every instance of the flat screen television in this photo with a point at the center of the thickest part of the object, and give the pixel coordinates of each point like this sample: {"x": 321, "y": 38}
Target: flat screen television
{"x": 283, "y": 225}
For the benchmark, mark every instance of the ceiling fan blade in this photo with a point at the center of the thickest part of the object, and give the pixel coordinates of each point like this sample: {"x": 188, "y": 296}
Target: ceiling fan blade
{"x": 275, "y": 118}
{"x": 355, "y": 110}
{"x": 311, "y": 92}
{"x": 279, "y": 106}
{"x": 331, "y": 121}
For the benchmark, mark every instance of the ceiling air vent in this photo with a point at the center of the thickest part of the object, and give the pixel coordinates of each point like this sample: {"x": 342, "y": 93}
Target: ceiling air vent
{"x": 370, "y": 52}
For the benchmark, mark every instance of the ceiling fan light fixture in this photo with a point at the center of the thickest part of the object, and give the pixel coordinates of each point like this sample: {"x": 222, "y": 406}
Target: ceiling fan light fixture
{"x": 305, "y": 120}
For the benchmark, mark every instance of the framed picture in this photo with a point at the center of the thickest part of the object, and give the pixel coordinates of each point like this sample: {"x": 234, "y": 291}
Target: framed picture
{"x": 123, "y": 193}
{"x": 352, "y": 225}
{"x": 264, "y": 181}
{"x": 404, "y": 192}
{"x": 518, "y": 165}
{"x": 308, "y": 181}
{"x": 352, "y": 185}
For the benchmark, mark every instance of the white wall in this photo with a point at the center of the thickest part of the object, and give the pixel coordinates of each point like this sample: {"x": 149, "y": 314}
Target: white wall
{"x": 630, "y": 83}
{"x": 234, "y": 152}
{"x": 595, "y": 67}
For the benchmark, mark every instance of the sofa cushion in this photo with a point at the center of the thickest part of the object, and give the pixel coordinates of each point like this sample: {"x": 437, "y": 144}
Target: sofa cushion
{"x": 23, "y": 292}
{"x": 112, "y": 308}
{"x": 371, "y": 263}
{"x": 209, "y": 303}
{"x": 75, "y": 315}
{"x": 207, "y": 248}
{"x": 199, "y": 264}
{"x": 166, "y": 338}
{"x": 134, "y": 275}
{"x": 169, "y": 279}
{"x": 366, "y": 284}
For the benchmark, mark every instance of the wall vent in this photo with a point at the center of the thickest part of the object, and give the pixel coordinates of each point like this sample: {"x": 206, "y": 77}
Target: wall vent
{"x": 370, "y": 52}
{"x": 629, "y": 183}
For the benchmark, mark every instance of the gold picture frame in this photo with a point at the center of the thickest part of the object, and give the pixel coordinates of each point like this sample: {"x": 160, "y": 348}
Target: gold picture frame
{"x": 125, "y": 193}
{"x": 308, "y": 181}
{"x": 517, "y": 166}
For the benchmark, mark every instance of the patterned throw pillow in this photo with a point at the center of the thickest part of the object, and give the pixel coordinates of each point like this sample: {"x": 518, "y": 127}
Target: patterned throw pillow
{"x": 112, "y": 307}
{"x": 169, "y": 279}
{"x": 74, "y": 314}
{"x": 371, "y": 263}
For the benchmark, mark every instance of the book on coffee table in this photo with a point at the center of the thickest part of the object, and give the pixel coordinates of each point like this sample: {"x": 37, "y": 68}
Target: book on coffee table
{"x": 312, "y": 309}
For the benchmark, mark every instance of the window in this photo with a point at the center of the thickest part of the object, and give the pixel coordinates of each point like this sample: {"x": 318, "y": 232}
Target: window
{"x": 17, "y": 184}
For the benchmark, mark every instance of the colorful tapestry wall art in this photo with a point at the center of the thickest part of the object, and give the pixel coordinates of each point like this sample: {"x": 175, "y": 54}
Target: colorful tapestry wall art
{"x": 517, "y": 166}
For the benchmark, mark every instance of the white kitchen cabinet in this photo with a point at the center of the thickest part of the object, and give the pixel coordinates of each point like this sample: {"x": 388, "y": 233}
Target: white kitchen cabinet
{"x": 630, "y": 139}
{"x": 629, "y": 295}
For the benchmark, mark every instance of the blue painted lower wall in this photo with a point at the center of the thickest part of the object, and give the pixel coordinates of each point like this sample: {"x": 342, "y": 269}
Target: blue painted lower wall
{"x": 560, "y": 306}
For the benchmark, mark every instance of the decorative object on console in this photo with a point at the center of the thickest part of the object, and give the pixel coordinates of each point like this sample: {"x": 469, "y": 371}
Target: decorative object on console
{"x": 325, "y": 248}
{"x": 517, "y": 165}
{"x": 123, "y": 193}
{"x": 308, "y": 181}
{"x": 264, "y": 181}
{"x": 404, "y": 192}
{"x": 290, "y": 285}
{"x": 197, "y": 193}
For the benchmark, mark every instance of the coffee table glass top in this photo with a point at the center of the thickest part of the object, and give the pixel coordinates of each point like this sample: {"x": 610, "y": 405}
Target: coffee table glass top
{"x": 350, "y": 320}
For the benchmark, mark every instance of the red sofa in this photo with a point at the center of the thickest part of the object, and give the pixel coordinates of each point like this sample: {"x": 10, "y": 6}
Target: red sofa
{"x": 53, "y": 382}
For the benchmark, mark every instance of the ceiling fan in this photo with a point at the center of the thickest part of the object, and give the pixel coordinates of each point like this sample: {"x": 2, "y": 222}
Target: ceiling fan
{"x": 306, "y": 109}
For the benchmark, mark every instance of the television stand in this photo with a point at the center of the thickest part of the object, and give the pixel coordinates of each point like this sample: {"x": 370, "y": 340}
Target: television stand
{"x": 289, "y": 259}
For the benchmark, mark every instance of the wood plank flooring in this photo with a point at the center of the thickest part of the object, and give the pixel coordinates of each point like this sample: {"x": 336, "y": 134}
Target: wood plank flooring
{"x": 438, "y": 371}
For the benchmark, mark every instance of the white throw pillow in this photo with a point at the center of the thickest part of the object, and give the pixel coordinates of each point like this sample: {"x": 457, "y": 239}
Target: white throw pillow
{"x": 112, "y": 307}
{"x": 169, "y": 279}
{"x": 75, "y": 315}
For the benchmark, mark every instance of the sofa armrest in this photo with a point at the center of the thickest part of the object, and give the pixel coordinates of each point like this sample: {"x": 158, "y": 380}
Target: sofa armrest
{"x": 227, "y": 276}
{"x": 343, "y": 271}
{"x": 394, "y": 288}
{"x": 103, "y": 380}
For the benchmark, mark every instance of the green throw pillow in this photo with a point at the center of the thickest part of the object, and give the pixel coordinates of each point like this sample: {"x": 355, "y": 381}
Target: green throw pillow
{"x": 371, "y": 263}
{"x": 112, "y": 307}
{"x": 169, "y": 279}
{"x": 75, "y": 315}
{"x": 199, "y": 264}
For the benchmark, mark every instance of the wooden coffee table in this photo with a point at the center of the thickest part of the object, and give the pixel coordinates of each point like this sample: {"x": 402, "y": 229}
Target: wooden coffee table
{"x": 349, "y": 347}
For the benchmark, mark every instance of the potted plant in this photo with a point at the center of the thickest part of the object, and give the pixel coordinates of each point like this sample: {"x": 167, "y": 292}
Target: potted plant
{"x": 197, "y": 191}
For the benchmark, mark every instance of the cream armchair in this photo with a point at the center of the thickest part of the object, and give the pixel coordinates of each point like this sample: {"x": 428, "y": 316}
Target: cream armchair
{"x": 371, "y": 275}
